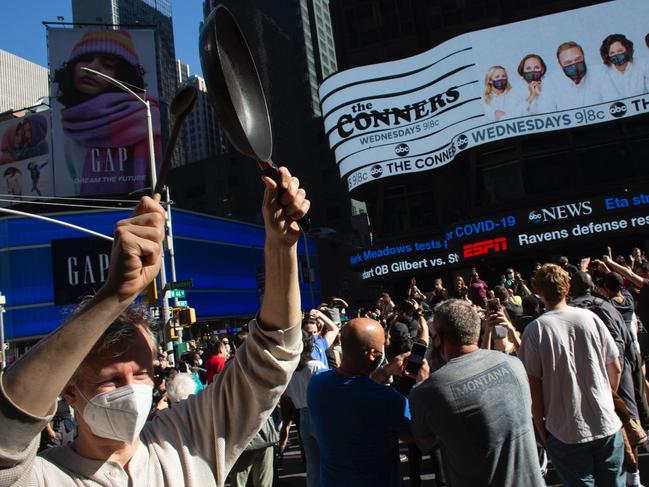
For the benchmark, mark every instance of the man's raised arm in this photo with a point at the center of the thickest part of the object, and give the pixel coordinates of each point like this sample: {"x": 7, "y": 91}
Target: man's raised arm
{"x": 625, "y": 272}
{"x": 34, "y": 381}
{"x": 281, "y": 308}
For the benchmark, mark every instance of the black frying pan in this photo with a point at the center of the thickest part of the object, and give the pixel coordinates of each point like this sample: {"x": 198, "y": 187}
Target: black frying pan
{"x": 235, "y": 89}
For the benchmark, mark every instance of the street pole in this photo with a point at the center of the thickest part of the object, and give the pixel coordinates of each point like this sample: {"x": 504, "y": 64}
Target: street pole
{"x": 308, "y": 266}
{"x": 2, "y": 332}
{"x": 149, "y": 127}
{"x": 154, "y": 179}
{"x": 56, "y": 222}
{"x": 164, "y": 308}
{"x": 172, "y": 255}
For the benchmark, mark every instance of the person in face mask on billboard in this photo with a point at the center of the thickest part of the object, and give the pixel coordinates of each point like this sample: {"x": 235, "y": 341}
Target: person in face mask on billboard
{"x": 576, "y": 86}
{"x": 623, "y": 76}
{"x": 497, "y": 95}
{"x": 532, "y": 69}
{"x": 102, "y": 360}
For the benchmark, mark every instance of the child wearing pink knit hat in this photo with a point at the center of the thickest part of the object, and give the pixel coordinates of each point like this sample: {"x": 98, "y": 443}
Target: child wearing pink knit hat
{"x": 108, "y": 51}
{"x": 109, "y": 122}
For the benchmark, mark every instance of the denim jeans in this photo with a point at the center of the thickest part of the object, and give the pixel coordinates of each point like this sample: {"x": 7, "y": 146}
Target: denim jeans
{"x": 597, "y": 462}
{"x": 311, "y": 449}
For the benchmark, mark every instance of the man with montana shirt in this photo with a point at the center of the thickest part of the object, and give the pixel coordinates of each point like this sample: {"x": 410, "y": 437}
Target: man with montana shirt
{"x": 476, "y": 406}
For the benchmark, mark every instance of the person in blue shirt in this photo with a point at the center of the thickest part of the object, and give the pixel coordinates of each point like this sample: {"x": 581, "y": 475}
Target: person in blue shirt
{"x": 323, "y": 330}
{"x": 357, "y": 419}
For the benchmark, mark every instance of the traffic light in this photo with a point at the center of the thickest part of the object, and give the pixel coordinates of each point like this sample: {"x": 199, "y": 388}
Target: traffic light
{"x": 184, "y": 316}
{"x": 173, "y": 333}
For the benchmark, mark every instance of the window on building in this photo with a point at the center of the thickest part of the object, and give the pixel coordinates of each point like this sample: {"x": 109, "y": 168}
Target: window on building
{"x": 500, "y": 183}
{"x": 605, "y": 163}
{"x": 333, "y": 213}
{"x": 551, "y": 173}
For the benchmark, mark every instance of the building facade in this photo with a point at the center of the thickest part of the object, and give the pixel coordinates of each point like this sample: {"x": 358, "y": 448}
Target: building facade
{"x": 22, "y": 83}
{"x": 275, "y": 32}
{"x": 319, "y": 45}
{"x": 203, "y": 137}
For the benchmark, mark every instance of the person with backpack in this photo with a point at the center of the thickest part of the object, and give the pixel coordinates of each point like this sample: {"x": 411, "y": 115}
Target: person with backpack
{"x": 581, "y": 286}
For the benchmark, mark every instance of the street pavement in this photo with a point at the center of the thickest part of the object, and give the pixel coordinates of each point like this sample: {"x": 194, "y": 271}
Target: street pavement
{"x": 291, "y": 471}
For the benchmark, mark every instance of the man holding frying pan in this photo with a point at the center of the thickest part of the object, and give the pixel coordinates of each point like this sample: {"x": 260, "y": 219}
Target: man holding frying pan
{"x": 101, "y": 361}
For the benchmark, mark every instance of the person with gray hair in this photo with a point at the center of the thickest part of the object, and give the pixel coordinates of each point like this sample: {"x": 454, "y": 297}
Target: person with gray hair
{"x": 476, "y": 407}
{"x": 180, "y": 387}
{"x": 110, "y": 385}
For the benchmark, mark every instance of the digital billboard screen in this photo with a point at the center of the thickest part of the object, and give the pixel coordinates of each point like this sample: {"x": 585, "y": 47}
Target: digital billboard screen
{"x": 100, "y": 130}
{"x": 560, "y": 71}
{"x": 524, "y": 231}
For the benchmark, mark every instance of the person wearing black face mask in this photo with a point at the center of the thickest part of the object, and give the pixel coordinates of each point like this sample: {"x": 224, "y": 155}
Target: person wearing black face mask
{"x": 476, "y": 407}
{"x": 532, "y": 69}
{"x": 622, "y": 77}
{"x": 497, "y": 95}
{"x": 575, "y": 86}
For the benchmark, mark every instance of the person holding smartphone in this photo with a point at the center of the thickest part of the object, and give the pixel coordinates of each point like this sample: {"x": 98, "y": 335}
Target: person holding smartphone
{"x": 500, "y": 334}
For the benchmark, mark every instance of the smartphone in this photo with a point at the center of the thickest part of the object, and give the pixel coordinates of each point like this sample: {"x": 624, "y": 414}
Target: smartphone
{"x": 493, "y": 305}
{"x": 416, "y": 358}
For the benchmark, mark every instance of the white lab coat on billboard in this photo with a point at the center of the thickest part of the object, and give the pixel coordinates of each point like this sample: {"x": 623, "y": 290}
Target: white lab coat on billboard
{"x": 505, "y": 102}
{"x": 564, "y": 94}
{"x": 631, "y": 82}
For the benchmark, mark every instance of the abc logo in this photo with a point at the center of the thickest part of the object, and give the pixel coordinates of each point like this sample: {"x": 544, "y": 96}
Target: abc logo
{"x": 377, "y": 170}
{"x": 618, "y": 109}
{"x": 535, "y": 216}
{"x": 402, "y": 150}
{"x": 462, "y": 142}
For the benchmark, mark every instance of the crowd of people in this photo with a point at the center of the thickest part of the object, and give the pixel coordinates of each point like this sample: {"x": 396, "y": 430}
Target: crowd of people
{"x": 484, "y": 379}
{"x": 549, "y": 366}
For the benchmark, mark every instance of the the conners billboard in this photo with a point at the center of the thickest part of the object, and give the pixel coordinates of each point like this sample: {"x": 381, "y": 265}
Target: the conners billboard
{"x": 556, "y": 72}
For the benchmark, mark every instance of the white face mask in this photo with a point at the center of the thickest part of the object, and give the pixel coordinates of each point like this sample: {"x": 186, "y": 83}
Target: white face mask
{"x": 119, "y": 414}
{"x": 200, "y": 362}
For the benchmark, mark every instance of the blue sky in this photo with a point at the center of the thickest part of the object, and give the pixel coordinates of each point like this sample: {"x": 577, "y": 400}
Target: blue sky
{"x": 23, "y": 34}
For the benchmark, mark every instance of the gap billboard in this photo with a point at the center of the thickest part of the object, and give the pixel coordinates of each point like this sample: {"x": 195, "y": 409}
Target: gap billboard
{"x": 99, "y": 130}
{"x": 560, "y": 71}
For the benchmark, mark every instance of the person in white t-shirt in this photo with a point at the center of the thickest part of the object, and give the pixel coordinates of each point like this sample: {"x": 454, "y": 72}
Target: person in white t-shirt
{"x": 498, "y": 97}
{"x": 577, "y": 86}
{"x": 572, "y": 365}
{"x": 623, "y": 76}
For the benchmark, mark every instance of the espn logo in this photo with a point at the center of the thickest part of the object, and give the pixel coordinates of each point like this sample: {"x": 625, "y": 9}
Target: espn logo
{"x": 484, "y": 247}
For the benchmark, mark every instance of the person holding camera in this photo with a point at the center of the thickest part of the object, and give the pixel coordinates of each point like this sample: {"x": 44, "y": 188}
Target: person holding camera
{"x": 515, "y": 282}
{"x": 499, "y": 333}
{"x": 407, "y": 325}
{"x": 323, "y": 330}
